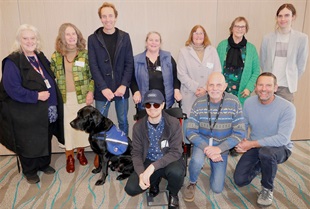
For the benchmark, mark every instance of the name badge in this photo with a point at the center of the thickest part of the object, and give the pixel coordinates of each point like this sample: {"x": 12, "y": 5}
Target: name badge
{"x": 164, "y": 144}
{"x": 210, "y": 65}
{"x": 158, "y": 68}
{"x": 211, "y": 141}
{"x": 79, "y": 63}
{"x": 48, "y": 85}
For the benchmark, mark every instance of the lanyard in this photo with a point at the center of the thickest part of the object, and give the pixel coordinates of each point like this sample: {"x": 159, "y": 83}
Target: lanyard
{"x": 40, "y": 71}
{"x": 217, "y": 114}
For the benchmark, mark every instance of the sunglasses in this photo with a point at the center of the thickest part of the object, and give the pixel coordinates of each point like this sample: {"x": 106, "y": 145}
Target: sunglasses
{"x": 149, "y": 105}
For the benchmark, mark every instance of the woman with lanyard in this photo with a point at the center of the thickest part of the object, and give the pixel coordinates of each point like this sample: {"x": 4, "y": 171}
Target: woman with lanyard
{"x": 155, "y": 69}
{"x": 31, "y": 109}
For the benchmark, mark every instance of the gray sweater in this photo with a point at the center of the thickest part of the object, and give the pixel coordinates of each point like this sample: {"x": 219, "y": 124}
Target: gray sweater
{"x": 272, "y": 124}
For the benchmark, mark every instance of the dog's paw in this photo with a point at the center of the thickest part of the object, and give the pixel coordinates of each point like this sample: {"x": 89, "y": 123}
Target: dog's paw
{"x": 100, "y": 182}
{"x": 122, "y": 177}
{"x": 96, "y": 170}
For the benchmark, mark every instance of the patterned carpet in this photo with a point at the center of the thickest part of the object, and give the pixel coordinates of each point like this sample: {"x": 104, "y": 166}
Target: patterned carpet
{"x": 78, "y": 190}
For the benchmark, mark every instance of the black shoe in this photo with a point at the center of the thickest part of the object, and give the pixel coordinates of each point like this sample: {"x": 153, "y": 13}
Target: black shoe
{"x": 49, "y": 170}
{"x": 154, "y": 190}
{"x": 173, "y": 202}
{"x": 33, "y": 179}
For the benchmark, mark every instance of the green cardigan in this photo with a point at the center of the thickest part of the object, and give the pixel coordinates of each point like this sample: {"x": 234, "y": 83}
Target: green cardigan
{"x": 82, "y": 77}
{"x": 251, "y": 67}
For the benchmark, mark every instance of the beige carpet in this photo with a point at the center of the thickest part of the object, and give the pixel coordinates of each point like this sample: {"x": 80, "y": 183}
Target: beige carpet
{"x": 78, "y": 190}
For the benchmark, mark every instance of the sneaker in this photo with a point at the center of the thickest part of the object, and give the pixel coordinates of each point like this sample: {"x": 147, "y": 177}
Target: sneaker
{"x": 33, "y": 179}
{"x": 189, "y": 193}
{"x": 49, "y": 170}
{"x": 265, "y": 197}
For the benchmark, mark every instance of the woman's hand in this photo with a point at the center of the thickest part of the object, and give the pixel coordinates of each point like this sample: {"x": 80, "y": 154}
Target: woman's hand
{"x": 43, "y": 95}
{"x": 136, "y": 97}
{"x": 177, "y": 95}
{"x": 200, "y": 92}
{"x": 89, "y": 98}
{"x": 245, "y": 93}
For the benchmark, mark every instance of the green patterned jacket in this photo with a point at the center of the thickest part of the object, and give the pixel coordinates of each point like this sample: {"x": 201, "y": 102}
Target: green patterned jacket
{"x": 81, "y": 74}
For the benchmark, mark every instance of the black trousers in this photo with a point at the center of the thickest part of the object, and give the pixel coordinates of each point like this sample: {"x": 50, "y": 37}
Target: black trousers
{"x": 30, "y": 166}
{"x": 174, "y": 173}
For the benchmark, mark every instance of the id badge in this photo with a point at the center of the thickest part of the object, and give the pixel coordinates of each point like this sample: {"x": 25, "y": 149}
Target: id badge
{"x": 48, "y": 85}
{"x": 211, "y": 141}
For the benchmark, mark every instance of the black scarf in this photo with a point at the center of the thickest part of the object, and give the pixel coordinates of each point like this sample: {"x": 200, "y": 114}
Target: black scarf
{"x": 234, "y": 58}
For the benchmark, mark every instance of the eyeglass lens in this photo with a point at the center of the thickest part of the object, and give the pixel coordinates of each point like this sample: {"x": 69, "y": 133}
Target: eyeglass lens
{"x": 149, "y": 105}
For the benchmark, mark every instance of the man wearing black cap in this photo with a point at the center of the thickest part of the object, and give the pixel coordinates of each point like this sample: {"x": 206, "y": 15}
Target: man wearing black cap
{"x": 157, "y": 151}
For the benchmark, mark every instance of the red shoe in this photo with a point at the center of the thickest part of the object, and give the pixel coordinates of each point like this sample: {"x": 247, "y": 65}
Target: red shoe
{"x": 81, "y": 157}
{"x": 70, "y": 164}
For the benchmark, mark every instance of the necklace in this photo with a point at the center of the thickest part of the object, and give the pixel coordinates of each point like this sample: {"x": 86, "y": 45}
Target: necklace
{"x": 32, "y": 59}
{"x": 73, "y": 57}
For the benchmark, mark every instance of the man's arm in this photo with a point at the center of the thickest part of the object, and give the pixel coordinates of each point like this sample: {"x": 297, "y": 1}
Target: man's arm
{"x": 137, "y": 149}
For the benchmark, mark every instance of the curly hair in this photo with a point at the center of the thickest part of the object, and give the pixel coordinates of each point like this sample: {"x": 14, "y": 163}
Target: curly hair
{"x": 16, "y": 45}
{"x": 61, "y": 45}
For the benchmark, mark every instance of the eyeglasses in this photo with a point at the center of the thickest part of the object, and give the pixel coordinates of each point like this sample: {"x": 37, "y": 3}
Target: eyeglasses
{"x": 198, "y": 33}
{"x": 240, "y": 26}
{"x": 149, "y": 105}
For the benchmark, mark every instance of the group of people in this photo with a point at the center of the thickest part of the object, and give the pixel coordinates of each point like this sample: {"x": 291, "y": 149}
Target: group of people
{"x": 38, "y": 99}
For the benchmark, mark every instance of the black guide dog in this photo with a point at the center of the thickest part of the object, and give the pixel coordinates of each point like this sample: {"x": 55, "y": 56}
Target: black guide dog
{"x": 90, "y": 120}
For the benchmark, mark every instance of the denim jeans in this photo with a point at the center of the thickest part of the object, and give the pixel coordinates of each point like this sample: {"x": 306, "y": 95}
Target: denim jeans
{"x": 173, "y": 172}
{"x": 185, "y": 139}
{"x": 264, "y": 160}
{"x": 121, "y": 108}
{"x": 218, "y": 169}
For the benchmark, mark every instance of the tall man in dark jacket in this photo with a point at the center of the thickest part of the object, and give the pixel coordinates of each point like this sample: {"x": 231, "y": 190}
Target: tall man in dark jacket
{"x": 157, "y": 151}
{"x": 111, "y": 65}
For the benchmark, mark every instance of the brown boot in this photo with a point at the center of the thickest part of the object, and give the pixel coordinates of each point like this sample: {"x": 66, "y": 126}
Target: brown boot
{"x": 96, "y": 161}
{"x": 81, "y": 157}
{"x": 70, "y": 164}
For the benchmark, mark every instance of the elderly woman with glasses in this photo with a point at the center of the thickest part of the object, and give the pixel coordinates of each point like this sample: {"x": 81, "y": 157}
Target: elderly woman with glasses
{"x": 239, "y": 60}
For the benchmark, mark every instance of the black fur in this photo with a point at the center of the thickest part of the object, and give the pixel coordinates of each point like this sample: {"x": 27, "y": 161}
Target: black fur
{"x": 90, "y": 120}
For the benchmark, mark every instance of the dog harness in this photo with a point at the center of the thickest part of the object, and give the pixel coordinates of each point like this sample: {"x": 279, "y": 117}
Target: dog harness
{"x": 117, "y": 141}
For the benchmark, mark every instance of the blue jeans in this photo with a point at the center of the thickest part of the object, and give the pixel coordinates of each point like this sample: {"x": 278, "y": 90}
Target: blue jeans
{"x": 185, "y": 139}
{"x": 218, "y": 169}
{"x": 264, "y": 160}
{"x": 121, "y": 108}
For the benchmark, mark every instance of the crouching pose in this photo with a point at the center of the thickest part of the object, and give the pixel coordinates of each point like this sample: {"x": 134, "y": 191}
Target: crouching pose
{"x": 157, "y": 151}
{"x": 271, "y": 120}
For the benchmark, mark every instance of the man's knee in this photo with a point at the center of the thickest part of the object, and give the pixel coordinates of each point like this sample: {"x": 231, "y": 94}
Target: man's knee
{"x": 216, "y": 188}
{"x": 239, "y": 180}
{"x": 266, "y": 154}
{"x": 131, "y": 189}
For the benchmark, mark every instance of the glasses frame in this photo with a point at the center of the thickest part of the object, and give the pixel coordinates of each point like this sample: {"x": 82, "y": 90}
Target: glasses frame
{"x": 149, "y": 105}
{"x": 240, "y": 27}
